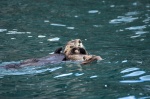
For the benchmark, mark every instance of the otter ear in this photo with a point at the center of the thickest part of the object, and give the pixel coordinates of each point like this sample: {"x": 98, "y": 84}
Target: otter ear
{"x": 58, "y": 50}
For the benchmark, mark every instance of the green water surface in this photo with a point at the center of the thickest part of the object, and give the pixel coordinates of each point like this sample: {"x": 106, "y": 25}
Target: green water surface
{"x": 116, "y": 30}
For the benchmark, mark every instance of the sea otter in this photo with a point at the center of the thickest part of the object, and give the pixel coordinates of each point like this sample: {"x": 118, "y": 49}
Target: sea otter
{"x": 74, "y": 50}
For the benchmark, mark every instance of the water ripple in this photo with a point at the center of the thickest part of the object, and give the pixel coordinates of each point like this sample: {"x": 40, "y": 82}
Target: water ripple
{"x": 128, "y": 97}
{"x": 93, "y": 11}
{"x": 2, "y": 30}
{"x": 41, "y": 36}
{"x": 54, "y": 39}
{"x": 136, "y": 27}
{"x": 132, "y": 13}
{"x": 121, "y": 19}
{"x": 16, "y": 32}
{"x": 55, "y": 24}
{"x": 130, "y": 81}
{"x": 129, "y": 70}
{"x": 136, "y": 73}
{"x": 145, "y": 78}
{"x": 63, "y": 75}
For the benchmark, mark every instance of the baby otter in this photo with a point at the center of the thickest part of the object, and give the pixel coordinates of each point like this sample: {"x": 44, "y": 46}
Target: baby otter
{"x": 74, "y": 50}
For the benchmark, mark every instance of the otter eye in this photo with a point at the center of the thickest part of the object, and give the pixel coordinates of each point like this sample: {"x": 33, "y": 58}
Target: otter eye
{"x": 80, "y": 41}
{"x": 71, "y": 46}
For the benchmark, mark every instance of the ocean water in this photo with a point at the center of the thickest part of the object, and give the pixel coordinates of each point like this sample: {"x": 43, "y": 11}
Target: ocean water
{"x": 116, "y": 30}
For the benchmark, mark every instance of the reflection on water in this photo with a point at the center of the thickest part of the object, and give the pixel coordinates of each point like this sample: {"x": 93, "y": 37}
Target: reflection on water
{"x": 117, "y": 31}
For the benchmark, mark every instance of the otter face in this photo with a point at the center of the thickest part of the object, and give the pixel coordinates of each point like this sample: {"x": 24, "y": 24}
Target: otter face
{"x": 74, "y": 47}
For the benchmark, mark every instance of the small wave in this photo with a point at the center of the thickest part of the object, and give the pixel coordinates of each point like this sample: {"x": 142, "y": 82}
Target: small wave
{"x": 136, "y": 27}
{"x": 26, "y": 70}
{"x": 2, "y": 30}
{"x": 93, "y": 11}
{"x": 135, "y": 36}
{"x": 55, "y": 24}
{"x": 63, "y": 75}
{"x": 121, "y": 19}
{"x": 41, "y": 36}
{"x": 129, "y": 70}
{"x": 79, "y": 74}
{"x": 54, "y": 39}
{"x": 132, "y": 13}
{"x": 145, "y": 78}
{"x": 71, "y": 28}
{"x": 130, "y": 81}
{"x": 136, "y": 73}
{"x": 95, "y": 76}
{"x": 16, "y": 32}
{"x": 128, "y": 97}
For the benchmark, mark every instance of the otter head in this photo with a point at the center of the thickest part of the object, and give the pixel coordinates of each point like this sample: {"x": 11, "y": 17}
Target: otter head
{"x": 75, "y": 47}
